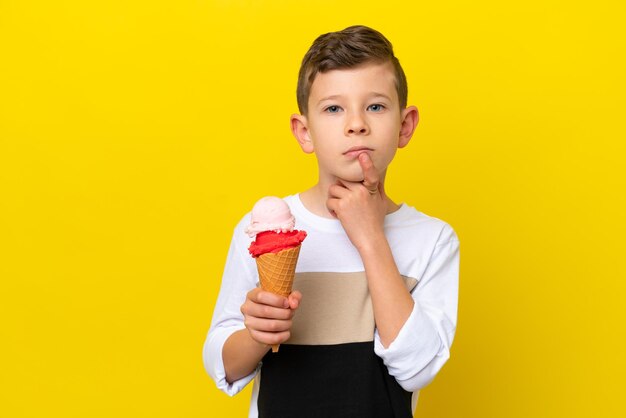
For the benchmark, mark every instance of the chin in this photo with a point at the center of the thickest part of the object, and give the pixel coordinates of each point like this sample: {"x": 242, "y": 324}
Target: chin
{"x": 351, "y": 176}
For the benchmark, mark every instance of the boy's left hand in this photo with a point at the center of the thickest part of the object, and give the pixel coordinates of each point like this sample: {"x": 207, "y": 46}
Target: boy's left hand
{"x": 360, "y": 206}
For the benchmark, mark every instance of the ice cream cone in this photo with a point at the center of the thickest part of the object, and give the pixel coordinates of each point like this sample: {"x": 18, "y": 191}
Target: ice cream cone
{"x": 276, "y": 273}
{"x": 276, "y": 245}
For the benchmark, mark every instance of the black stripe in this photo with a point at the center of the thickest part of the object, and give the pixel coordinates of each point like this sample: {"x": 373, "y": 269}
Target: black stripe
{"x": 344, "y": 380}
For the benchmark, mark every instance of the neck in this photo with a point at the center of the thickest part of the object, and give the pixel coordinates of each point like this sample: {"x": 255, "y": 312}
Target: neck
{"x": 314, "y": 199}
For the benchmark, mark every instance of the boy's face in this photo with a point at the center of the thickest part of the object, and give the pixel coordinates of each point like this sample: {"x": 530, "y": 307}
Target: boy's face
{"x": 352, "y": 111}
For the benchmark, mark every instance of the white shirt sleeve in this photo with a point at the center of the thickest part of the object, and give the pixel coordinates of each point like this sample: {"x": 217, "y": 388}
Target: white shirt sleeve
{"x": 422, "y": 346}
{"x": 238, "y": 279}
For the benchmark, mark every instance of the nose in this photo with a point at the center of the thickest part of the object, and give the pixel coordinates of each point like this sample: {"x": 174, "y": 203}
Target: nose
{"x": 356, "y": 124}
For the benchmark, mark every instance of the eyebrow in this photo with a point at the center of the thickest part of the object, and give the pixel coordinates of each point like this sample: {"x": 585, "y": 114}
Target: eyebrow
{"x": 338, "y": 96}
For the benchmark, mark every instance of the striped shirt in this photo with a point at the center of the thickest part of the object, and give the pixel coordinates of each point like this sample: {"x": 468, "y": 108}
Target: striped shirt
{"x": 334, "y": 364}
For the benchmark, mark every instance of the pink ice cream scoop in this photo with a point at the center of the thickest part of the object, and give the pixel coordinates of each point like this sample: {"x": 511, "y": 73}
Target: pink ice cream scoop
{"x": 270, "y": 214}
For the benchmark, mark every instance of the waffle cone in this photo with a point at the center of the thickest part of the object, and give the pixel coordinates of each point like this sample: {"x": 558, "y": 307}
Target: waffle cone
{"x": 276, "y": 272}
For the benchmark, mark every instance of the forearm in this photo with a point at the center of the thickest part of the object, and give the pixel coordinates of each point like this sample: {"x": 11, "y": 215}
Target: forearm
{"x": 391, "y": 301}
{"x": 241, "y": 355}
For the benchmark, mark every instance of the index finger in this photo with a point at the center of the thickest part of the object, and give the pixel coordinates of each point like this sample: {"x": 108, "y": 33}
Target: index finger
{"x": 370, "y": 175}
{"x": 264, "y": 297}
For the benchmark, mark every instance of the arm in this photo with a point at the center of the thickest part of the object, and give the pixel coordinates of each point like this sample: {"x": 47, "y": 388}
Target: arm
{"x": 241, "y": 355}
{"x": 268, "y": 319}
{"x": 246, "y": 320}
{"x": 238, "y": 278}
{"x": 413, "y": 332}
{"x": 422, "y": 346}
{"x": 361, "y": 208}
{"x": 391, "y": 301}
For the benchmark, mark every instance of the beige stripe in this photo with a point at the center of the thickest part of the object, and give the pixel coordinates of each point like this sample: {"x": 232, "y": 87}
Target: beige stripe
{"x": 336, "y": 308}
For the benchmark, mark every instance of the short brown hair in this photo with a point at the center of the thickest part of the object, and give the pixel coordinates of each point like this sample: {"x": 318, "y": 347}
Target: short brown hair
{"x": 348, "y": 48}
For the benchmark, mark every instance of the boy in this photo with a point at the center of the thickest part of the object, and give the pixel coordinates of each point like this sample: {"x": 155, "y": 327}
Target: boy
{"x": 373, "y": 313}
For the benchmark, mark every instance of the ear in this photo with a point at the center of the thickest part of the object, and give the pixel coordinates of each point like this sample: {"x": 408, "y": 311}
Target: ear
{"x": 299, "y": 128}
{"x": 410, "y": 118}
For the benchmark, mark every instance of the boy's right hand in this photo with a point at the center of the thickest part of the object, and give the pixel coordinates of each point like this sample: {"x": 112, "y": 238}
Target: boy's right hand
{"x": 268, "y": 317}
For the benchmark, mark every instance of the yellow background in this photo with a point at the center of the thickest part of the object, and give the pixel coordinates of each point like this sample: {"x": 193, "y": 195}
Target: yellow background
{"x": 133, "y": 137}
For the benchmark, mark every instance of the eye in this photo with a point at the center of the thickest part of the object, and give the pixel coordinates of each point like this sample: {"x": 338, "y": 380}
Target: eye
{"x": 377, "y": 107}
{"x": 332, "y": 109}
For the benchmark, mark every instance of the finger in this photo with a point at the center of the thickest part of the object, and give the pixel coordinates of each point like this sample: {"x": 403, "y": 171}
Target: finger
{"x": 370, "y": 175}
{"x": 338, "y": 191}
{"x": 332, "y": 205}
{"x": 268, "y": 298}
{"x": 268, "y": 325}
{"x": 270, "y": 338}
{"x": 258, "y": 310}
{"x": 349, "y": 185}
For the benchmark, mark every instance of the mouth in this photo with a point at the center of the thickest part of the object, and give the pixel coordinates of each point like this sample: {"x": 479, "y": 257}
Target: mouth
{"x": 354, "y": 152}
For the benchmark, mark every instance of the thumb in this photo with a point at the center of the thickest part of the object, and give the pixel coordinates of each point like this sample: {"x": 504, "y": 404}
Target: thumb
{"x": 294, "y": 299}
{"x": 381, "y": 190}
